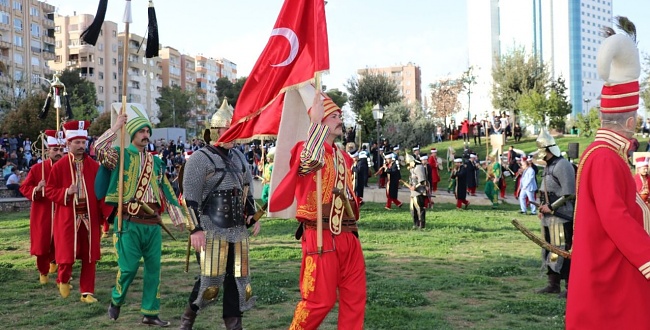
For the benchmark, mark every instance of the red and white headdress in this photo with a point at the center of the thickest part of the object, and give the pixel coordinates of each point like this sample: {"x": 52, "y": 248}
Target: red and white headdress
{"x": 54, "y": 138}
{"x": 76, "y": 129}
{"x": 641, "y": 162}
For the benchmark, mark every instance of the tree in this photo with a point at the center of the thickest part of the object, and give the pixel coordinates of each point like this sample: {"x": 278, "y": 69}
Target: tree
{"x": 100, "y": 124}
{"x": 554, "y": 107}
{"x": 371, "y": 88}
{"x": 407, "y": 125}
{"x": 645, "y": 83}
{"x": 226, "y": 88}
{"x": 444, "y": 98}
{"x": 82, "y": 94}
{"x": 588, "y": 124}
{"x": 514, "y": 75}
{"x": 338, "y": 97}
{"x": 175, "y": 105}
{"x": 25, "y": 118}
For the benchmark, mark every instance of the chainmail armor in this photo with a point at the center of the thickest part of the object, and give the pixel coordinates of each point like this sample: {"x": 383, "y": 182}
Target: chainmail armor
{"x": 199, "y": 180}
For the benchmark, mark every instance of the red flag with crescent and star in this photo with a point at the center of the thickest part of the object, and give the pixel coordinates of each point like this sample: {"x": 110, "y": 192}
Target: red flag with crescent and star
{"x": 296, "y": 50}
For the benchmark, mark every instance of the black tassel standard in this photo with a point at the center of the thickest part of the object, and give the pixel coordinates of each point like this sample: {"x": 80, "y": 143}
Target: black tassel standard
{"x": 153, "y": 41}
{"x": 68, "y": 108}
{"x": 46, "y": 107}
{"x": 206, "y": 136}
{"x": 91, "y": 34}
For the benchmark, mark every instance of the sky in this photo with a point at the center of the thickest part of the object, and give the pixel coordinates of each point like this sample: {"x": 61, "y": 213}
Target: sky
{"x": 362, "y": 33}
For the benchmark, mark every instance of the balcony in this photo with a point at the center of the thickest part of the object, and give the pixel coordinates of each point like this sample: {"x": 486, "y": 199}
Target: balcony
{"x": 5, "y": 44}
{"x": 48, "y": 39}
{"x": 48, "y": 56}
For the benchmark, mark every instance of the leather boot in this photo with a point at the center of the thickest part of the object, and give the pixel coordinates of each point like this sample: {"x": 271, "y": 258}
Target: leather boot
{"x": 553, "y": 284}
{"x": 232, "y": 323}
{"x": 564, "y": 293}
{"x": 187, "y": 319}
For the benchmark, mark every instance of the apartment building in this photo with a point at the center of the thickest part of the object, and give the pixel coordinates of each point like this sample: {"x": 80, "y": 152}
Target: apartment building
{"x": 144, "y": 75}
{"x": 26, "y": 44}
{"x": 227, "y": 69}
{"x": 97, "y": 64}
{"x": 407, "y": 77}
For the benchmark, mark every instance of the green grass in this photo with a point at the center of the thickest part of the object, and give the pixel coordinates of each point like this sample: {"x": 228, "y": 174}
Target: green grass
{"x": 467, "y": 269}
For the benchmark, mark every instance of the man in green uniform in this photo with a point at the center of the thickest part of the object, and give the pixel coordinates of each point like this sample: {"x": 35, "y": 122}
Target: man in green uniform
{"x": 146, "y": 189}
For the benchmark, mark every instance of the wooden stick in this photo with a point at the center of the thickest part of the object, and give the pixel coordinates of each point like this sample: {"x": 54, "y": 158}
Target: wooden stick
{"x": 319, "y": 190}
{"x": 42, "y": 136}
{"x": 120, "y": 178}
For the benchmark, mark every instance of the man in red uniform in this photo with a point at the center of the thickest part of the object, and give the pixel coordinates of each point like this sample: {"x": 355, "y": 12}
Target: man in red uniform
{"x": 77, "y": 223}
{"x": 610, "y": 263}
{"x": 340, "y": 269}
{"x": 41, "y": 215}
{"x": 435, "y": 176}
{"x": 641, "y": 178}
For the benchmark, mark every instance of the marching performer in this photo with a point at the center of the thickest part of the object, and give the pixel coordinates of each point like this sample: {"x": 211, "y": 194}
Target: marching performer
{"x": 217, "y": 188}
{"x": 641, "y": 178}
{"x": 557, "y": 192}
{"x": 41, "y": 214}
{"x": 435, "y": 166}
{"x": 391, "y": 168}
{"x": 146, "y": 192}
{"x": 418, "y": 186}
{"x": 459, "y": 179}
{"x": 339, "y": 269}
{"x": 78, "y": 212}
{"x": 610, "y": 262}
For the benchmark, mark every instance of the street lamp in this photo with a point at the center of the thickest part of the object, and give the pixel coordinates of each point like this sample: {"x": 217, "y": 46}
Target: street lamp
{"x": 586, "y": 106}
{"x": 173, "y": 109}
{"x": 378, "y": 115}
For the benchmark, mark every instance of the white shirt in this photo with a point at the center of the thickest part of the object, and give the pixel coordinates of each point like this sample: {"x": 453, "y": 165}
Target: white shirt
{"x": 13, "y": 179}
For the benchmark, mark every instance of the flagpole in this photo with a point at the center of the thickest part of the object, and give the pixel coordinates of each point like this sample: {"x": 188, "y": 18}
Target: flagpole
{"x": 125, "y": 66}
{"x": 319, "y": 189}
{"x": 41, "y": 137}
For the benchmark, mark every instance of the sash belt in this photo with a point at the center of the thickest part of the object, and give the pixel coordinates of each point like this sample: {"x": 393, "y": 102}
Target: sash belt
{"x": 346, "y": 226}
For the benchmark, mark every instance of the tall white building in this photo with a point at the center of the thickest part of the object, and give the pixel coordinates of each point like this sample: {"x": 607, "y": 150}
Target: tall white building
{"x": 565, "y": 34}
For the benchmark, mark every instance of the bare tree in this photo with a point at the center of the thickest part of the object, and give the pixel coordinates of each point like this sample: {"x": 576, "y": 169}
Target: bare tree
{"x": 444, "y": 98}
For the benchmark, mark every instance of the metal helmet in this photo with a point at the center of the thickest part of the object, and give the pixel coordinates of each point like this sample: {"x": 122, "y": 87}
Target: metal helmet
{"x": 546, "y": 142}
{"x": 223, "y": 116}
{"x": 410, "y": 160}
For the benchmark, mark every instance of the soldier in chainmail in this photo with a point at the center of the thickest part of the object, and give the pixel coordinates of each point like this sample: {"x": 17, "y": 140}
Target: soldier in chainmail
{"x": 216, "y": 186}
{"x": 556, "y": 211}
{"x": 417, "y": 185}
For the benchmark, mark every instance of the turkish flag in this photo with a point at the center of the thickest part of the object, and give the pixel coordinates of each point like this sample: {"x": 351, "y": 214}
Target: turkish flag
{"x": 296, "y": 50}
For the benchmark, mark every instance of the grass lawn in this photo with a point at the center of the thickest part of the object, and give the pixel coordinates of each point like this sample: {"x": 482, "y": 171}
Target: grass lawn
{"x": 467, "y": 269}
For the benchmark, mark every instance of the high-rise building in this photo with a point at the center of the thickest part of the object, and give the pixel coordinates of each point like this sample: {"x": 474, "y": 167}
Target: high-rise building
{"x": 227, "y": 69}
{"x": 144, "y": 75}
{"x": 171, "y": 67}
{"x": 26, "y": 44}
{"x": 407, "y": 77}
{"x": 565, "y": 35}
{"x": 97, "y": 64}
{"x": 207, "y": 73}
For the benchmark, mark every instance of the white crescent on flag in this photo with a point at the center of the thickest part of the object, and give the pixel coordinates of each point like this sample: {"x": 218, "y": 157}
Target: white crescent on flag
{"x": 293, "y": 42}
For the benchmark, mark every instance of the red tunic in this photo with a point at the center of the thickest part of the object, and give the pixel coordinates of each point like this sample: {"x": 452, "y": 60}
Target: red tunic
{"x": 41, "y": 214}
{"x": 435, "y": 177}
{"x": 60, "y": 179}
{"x": 610, "y": 263}
{"x": 642, "y": 186}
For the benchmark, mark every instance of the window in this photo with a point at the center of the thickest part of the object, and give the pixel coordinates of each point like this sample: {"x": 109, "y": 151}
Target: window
{"x": 58, "y": 43}
{"x": 114, "y": 90}
{"x": 4, "y": 18}
{"x": 114, "y": 33}
{"x": 114, "y": 61}
{"x": 101, "y": 89}
{"x": 35, "y": 30}
{"x": 18, "y": 24}
{"x": 36, "y": 61}
{"x": 18, "y": 41}
{"x": 114, "y": 76}
{"x": 18, "y": 58}
{"x": 57, "y": 29}
{"x": 4, "y": 2}
{"x": 57, "y": 59}
{"x": 33, "y": 11}
{"x": 100, "y": 47}
{"x": 18, "y": 5}
{"x": 101, "y": 76}
{"x": 18, "y": 75}
{"x": 114, "y": 48}
{"x": 36, "y": 78}
{"x": 35, "y": 46}
{"x": 101, "y": 61}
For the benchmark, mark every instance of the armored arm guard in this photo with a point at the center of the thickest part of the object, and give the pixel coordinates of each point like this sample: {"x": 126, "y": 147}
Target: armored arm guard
{"x": 561, "y": 201}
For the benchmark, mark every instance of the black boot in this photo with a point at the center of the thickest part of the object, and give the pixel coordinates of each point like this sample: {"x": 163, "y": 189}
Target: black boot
{"x": 553, "y": 284}
{"x": 187, "y": 320}
{"x": 155, "y": 320}
{"x": 232, "y": 323}
{"x": 564, "y": 293}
